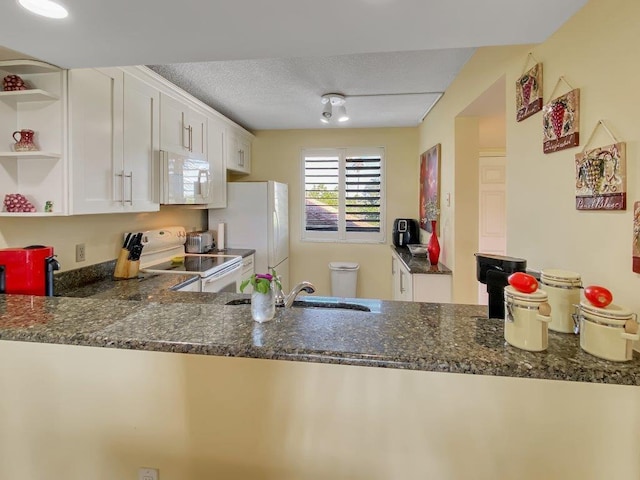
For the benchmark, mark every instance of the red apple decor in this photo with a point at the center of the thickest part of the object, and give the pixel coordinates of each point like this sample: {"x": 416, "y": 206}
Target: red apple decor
{"x": 13, "y": 83}
{"x": 523, "y": 282}
{"x": 598, "y": 296}
{"x": 17, "y": 203}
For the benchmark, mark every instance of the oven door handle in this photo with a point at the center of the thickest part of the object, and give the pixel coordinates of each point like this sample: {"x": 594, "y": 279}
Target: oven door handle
{"x": 215, "y": 278}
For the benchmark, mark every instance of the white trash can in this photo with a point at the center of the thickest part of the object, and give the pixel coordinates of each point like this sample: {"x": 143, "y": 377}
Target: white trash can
{"x": 344, "y": 279}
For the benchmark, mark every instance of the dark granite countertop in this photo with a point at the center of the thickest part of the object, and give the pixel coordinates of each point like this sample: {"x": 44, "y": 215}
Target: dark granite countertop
{"x": 143, "y": 314}
{"x": 419, "y": 265}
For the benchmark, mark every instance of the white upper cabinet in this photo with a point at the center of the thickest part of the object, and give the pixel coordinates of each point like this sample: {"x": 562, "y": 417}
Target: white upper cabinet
{"x": 113, "y": 137}
{"x": 238, "y": 151}
{"x": 216, "y": 139}
{"x": 182, "y": 128}
{"x": 198, "y": 126}
{"x": 141, "y": 144}
{"x": 98, "y": 135}
{"x": 39, "y": 175}
{"x": 95, "y": 139}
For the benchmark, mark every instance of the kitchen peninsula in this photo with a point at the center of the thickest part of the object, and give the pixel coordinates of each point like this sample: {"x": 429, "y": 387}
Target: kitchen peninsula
{"x": 164, "y": 393}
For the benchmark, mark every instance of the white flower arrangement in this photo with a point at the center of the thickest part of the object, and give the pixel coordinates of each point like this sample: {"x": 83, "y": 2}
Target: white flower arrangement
{"x": 432, "y": 210}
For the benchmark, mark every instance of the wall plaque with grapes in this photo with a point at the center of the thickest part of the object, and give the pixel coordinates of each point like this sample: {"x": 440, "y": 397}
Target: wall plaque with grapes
{"x": 561, "y": 122}
{"x": 529, "y": 93}
{"x": 601, "y": 178}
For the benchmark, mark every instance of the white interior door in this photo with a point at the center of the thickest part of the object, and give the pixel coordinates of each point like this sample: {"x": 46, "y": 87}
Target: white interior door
{"x": 492, "y": 211}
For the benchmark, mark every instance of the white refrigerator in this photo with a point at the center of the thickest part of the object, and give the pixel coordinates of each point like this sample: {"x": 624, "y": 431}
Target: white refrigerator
{"x": 257, "y": 217}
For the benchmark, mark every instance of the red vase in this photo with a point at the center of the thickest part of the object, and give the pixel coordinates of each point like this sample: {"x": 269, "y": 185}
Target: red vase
{"x": 433, "y": 247}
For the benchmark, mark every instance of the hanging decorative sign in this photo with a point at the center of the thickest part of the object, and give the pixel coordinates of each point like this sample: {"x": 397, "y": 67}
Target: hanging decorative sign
{"x": 561, "y": 120}
{"x": 601, "y": 176}
{"x": 636, "y": 237}
{"x": 529, "y": 91}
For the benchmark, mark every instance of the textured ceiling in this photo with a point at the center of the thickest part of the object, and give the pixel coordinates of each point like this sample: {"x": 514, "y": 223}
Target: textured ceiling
{"x": 284, "y": 54}
{"x": 383, "y": 89}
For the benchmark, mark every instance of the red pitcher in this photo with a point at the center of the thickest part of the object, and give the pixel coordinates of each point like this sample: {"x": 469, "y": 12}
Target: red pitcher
{"x": 25, "y": 143}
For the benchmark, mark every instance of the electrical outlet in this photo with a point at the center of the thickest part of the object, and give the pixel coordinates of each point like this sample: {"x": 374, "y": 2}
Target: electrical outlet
{"x": 81, "y": 254}
{"x": 148, "y": 474}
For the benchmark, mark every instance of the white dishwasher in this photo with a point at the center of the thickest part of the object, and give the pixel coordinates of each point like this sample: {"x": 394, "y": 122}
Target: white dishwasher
{"x": 248, "y": 269}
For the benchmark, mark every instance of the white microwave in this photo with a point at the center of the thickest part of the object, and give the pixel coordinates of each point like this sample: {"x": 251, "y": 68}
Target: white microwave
{"x": 183, "y": 180}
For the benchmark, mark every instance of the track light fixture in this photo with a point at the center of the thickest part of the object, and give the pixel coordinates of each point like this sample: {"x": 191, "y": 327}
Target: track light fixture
{"x": 331, "y": 100}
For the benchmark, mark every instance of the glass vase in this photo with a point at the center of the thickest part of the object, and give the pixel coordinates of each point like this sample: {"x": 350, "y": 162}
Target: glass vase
{"x": 263, "y": 306}
{"x": 433, "y": 247}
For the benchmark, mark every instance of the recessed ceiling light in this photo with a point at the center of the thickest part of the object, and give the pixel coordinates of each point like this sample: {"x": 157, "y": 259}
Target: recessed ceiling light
{"x": 46, "y": 8}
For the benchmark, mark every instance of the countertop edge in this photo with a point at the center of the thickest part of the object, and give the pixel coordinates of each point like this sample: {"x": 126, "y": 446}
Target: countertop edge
{"x": 464, "y": 367}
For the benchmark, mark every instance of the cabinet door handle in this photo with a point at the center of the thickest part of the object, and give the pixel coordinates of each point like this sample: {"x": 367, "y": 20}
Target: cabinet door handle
{"x": 121, "y": 175}
{"x": 241, "y": 158}
{"x": 402, "y": 289}
{"x": 393, "y": 266}
{"x": 205, "y": 186}
{"x": 190, "y": 138}
{"x": 185, "y": 127}
{"x": 130, "y": 177}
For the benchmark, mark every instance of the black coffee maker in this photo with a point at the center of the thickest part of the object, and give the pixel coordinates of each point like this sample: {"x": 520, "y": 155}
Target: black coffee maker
{"x": 405, "y": 231}
{"x": 494, "y": 270}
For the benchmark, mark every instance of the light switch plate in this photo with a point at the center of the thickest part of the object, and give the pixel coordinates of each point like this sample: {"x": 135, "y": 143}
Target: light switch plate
{"x": 148, "y": 474}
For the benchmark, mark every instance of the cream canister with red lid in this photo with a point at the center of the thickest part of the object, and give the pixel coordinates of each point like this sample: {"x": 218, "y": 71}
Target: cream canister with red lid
{"x": 526, "y": 319}
{"x": 607, "y": 332}
{"x": 563, "y": 290}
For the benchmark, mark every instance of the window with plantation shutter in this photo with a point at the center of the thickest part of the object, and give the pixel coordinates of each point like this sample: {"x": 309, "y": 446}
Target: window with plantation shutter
{"x": 343, "y": 194}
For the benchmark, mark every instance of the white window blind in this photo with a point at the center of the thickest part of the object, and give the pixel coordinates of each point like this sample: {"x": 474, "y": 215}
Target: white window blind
{"x": 343, "y": 195}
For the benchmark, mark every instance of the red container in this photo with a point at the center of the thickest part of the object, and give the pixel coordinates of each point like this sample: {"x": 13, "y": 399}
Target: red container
{"x": 27, "y": 271}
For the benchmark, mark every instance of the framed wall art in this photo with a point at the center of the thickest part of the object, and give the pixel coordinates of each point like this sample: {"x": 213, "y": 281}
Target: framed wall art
{"x": 561, "y": 121}
{"x": 636, "y": 237}
{"x": 601, "y": 175}
{"x": 429, "y": 186}
{"x": 601, "y": 178}
{"x": 529, "y": 92}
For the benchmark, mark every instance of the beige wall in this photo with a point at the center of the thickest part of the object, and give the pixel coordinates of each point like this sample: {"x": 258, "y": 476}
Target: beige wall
{"x": 72, "y": 413}
{"x": 543, "y": 225}
{"x": 492, "y": 132}
{"x": 101, "y": 234}
{"x": 277, "y": 156}
{"x": 467, "y": 146}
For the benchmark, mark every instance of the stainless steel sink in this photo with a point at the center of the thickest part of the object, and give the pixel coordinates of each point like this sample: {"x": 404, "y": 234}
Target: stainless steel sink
{"x": 314, "y": 302}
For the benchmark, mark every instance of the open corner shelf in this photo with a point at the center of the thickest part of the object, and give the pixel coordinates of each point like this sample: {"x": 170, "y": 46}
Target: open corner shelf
{"x": 26, "y": 67}
{"x": 34, "y": 154}
{"x": 34, "y": 214}
{"x": 33, "y": 95}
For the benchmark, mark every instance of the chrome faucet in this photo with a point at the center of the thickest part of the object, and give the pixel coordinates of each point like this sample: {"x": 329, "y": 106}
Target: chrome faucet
{"x": 287, "y": 301}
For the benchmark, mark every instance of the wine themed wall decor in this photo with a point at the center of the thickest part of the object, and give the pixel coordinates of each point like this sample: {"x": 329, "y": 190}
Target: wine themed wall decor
{"x": 529, "y": 92}
{"x": 561, "y": 122}
{"x": 429, "y": 186}
{"x": 636, "y": 237}
{"x": 601, "y": 175}
{"x": 601, "y": 178}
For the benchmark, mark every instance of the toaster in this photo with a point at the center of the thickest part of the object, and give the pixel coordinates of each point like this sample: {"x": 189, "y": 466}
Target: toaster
{"x": 199, "y": 242}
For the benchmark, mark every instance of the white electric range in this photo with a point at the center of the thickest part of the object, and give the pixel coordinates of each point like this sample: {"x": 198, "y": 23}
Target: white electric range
{"x": 164, "y": 252}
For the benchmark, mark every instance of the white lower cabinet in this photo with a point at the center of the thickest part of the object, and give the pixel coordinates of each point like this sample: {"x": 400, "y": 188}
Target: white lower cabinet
{"x": 402, "y": 282}
{"x": 418, "y": 287}
{"x": 113, "y": 138}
